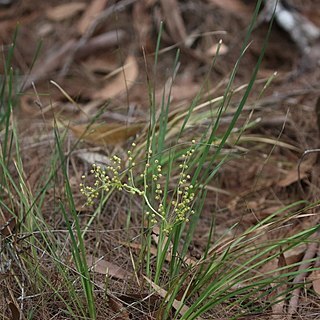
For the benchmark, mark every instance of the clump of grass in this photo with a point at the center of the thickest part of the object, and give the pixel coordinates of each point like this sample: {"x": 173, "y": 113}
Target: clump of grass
{"x": 32, "y": 256}
{"x": 169, "y": 172}
{"x": 173, "y": 207}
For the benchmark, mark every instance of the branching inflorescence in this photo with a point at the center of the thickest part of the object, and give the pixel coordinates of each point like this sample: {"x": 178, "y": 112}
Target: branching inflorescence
{"x": 169, "y": 209}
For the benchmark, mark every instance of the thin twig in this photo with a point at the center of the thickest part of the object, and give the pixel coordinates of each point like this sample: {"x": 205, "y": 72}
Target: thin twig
{"x": 90, "y": 31}
{"x": 294, "y": 301}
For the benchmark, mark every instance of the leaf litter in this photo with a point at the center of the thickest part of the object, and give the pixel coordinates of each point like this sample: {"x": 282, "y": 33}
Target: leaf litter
{"x": 119, "y": 83}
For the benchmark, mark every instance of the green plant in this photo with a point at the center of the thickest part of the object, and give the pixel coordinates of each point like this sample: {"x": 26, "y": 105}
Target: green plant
{"x": 172, "y": 208}
{"x": 166, "y": 174}
{"x": 27, "y": 241}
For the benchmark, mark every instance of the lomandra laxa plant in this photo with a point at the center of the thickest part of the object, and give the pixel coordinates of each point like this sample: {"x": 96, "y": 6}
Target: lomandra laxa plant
{"x": 150, "y": 185}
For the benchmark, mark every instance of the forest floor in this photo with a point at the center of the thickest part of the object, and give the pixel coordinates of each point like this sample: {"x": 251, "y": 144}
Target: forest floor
{"x": 69, "y": 65}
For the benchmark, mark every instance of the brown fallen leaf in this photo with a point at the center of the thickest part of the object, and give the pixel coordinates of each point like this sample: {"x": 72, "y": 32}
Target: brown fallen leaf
{"x": 96, "y": 64}
{"x": 292, "y": 256}
{"x": 123, "y": 81}
{"x": 106, "y": 133}
{"x": 103, "y": 266}
{"x": 279, "y": 291}
{"x": 15, "y": 311}
{"x": 65, "y": 11}
{"x": 184, "y": 90}
{"x": 292, "y": 176}
{"x": 236, "y": 7}
{"x": 142, "y": 22}
{"x": 99, "y": 43}
{"x": 55, "y": 60}
{"x": 7, "y": 225}
{"x": 178, "y": 305}
{"x": 52, "y": 62}
{"x": 89, "y": 15}
{"x": 117, "y": 306}
{"x": 315, "y": 278}
{"x": 174, "y": 20}
{"x": 94, "y": 157}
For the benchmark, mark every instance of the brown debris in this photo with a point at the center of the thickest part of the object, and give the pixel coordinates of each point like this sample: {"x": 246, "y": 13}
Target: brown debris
{"x": 93, "y": 50}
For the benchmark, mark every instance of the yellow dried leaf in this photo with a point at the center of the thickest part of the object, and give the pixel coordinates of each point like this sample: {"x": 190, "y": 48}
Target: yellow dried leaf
{"x": 106, "y": 134}
{"x": 103, "y": 266}
{"x": 125, "y": 78}
{"x": 65, "y": 11}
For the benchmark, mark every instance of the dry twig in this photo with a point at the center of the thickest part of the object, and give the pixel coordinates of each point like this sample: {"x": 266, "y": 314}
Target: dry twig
{"x": 302, "y": 274}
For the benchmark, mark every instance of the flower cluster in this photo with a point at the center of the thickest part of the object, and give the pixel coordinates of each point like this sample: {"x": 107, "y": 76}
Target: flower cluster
{"x": 184, "y": 197}
{"x": 169, "y": 210}
{"x": 105, "y": 179}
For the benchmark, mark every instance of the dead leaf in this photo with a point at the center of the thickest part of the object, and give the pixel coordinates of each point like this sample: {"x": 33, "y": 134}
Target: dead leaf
{"x": 102, "y": 65}
{"x": 90, "y": 14}
{"x": 105, "y": 267}
{"x": 94, "y": 157}
{"x": 58, "y": 58}
{"x": 123, "y": 81}
{"x": 142, "y": 22}
{"x": 315, "y": 278}
{"x": 178, "y": 305}
{"x": 280, "y": 291}
{"x": 292, "y": 176}
{"x": 107, "y": 133}
{"x": 291, "y": 256}
{"x": 50, "y": 63}
{"x": 184, "y": 91}
{"x": 28, "y": 105}
{"x": 15, "y": 312}
{"x": 118, "y": 307}
{"x": 173, "y": 20}
{"x": 100, "y": 43}
{"x": 7, "y": 225}
{"x": 236, "y": 7}
{"x": 212, "y": 51}
{"x": 65, "y": 11}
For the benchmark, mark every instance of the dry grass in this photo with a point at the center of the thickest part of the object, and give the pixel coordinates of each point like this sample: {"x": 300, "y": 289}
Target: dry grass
{"x": 240, "y": 258}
